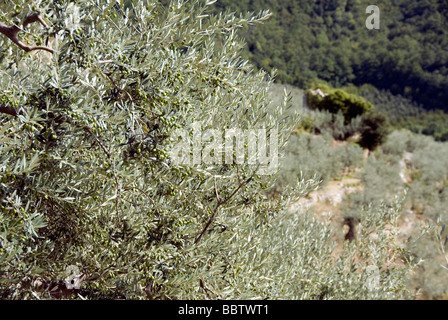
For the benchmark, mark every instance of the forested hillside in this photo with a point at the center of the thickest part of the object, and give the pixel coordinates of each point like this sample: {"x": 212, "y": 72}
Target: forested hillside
{"x": 409, "y": 168}
{"x": 309, "y": 40}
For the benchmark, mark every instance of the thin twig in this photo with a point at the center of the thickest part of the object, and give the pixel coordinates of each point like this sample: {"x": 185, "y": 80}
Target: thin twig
{"x": 223, "y": 202}
{"x": 216, "y": 192}
{"x": 206, "y": 288}
{"x": 8, "y": 110}
{"x": 12, "y": 32}
{"x": 117, "y": 87}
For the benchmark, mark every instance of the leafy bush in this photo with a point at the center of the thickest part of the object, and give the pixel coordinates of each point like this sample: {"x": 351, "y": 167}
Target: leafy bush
{"x": 86, "y": 177}
{"x": 374, "y": 130}
{"x": 428, "y": 194}
{"x": 430, "y": 276}
{"x": 299, "y": 257}
{"x": 396, "y": 143}
{"x": 306, "y": 124}
{"x": 309, "y": 156}
{"x": 327, "y": 123}
{"x": 380, "y": 177}
{"x": 338, "y": 100}
{"x": 418, "y": 142}
{"x": 87, "y": 183}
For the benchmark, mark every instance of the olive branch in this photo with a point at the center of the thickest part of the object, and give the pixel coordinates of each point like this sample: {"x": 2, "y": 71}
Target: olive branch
{"x": 12, "y": 32}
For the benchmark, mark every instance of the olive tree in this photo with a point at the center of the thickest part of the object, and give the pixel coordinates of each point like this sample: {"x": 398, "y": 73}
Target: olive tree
{"x": 92, "y": 95}
{"x": 117, "y": 179}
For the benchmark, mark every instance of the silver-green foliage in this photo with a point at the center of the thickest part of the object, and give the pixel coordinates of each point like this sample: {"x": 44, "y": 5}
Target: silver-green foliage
{"x": 426, "y": 165}
{"x": 423, "y": 163}
{"x": 86, "y": 182}
{"x": 85, "y": 176}
{"x": 311, "y": 156}
{"x": 299, "y": 257}
{"x": 333, "y": 124}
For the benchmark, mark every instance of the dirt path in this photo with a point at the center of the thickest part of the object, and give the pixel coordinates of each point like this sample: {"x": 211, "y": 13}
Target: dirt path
{"x": 325, "y": 201}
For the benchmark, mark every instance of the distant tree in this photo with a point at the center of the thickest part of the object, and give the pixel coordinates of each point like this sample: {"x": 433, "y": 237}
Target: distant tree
{"x": 338, "y": 100}
{"x": 374, "y": 130}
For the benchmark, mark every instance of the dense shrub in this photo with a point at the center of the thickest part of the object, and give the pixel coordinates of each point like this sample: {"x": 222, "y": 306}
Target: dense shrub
{"x": 86, "y": 178}
{"x": 380, "y": 178}
{"x": 428, "y": 194}
{"x": 310, "y": 156}
{"x": 430, "y": 277}
{"x": 374, "y": 130}
{"x": 327, "y": 123}
{"x": 422, "y": 162}
{"x": 299, "y": 257}
{"x": 338, "y": 100}
{"x": 87, "y": 184}
{"x": 396, "y": 143}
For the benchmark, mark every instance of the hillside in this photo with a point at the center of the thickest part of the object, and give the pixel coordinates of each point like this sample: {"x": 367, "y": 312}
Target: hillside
{"x": 409, "y": 168}
{"x": 308, "y": 41}
{"x": 402, "y": 69}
